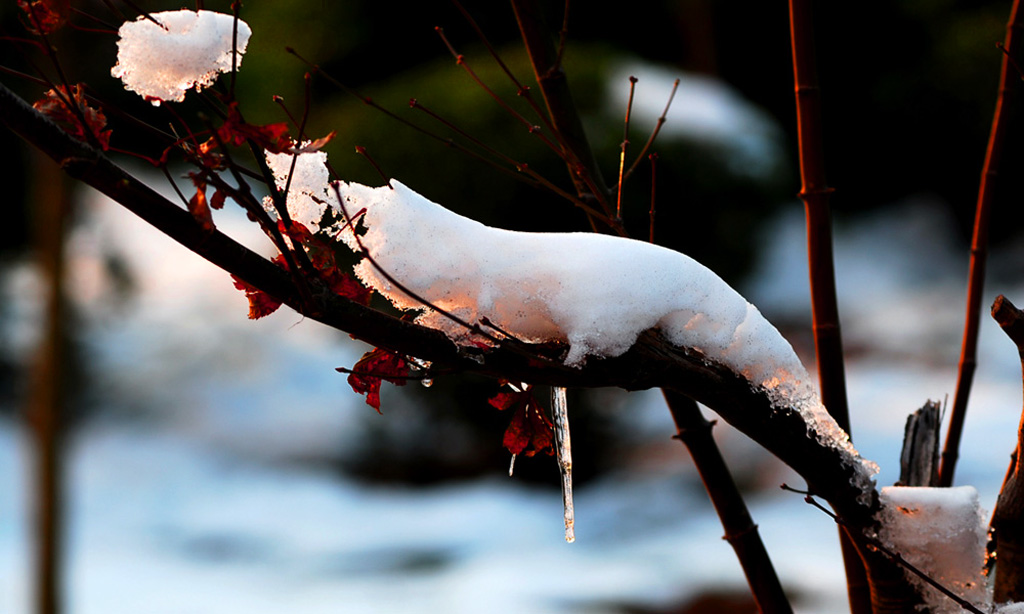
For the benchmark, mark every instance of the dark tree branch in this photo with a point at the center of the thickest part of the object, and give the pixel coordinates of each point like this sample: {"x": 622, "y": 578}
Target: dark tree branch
{"x": 740, "y": 531}
{"x": 1009, "y": 90}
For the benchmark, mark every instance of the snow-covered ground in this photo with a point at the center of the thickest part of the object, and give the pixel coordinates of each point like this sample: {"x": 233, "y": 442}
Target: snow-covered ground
{"x": 193, "y": 510}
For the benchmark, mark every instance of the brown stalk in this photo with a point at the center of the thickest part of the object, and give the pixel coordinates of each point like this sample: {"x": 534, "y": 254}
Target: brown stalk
{"x": 1008, "y": 516}
{"x": 1009, "y": 89}
{"x": 815, "y": 193}
{"x": 740, "y": 531}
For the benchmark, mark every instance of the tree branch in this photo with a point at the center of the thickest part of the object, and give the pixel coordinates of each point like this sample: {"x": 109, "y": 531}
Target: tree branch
{"x": 740, "y": 531}
{"x": 651, "y": 362}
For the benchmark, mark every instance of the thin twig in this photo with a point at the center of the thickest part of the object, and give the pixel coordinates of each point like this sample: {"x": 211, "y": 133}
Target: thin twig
{"x": 362, "y": 152}
{"x": 522, "y": 172}
{"x": 530, "y": 126}
{"x": 654, "y": 185}
{"x": 623, "y": 147}
{"x": 654, "y": 133}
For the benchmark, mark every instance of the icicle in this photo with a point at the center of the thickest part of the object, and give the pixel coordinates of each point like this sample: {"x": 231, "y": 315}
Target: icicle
{"x": 564, "y": 451}
{"x": 512, "y": 465}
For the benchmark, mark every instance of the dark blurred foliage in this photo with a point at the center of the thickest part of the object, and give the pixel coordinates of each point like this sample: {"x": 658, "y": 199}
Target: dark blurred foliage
{"x": 908, "y": 94}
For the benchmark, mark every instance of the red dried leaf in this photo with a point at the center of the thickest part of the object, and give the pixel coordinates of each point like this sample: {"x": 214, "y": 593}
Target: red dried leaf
{"x": 45, "y": 16}
{"x": 530, "y": 431}
{"x": 322, "y": 256}
{"x": 374, "y": 367}
{"x": 316, "y": 145}
{"x": 260, "y": 303}
{"x": 217, "y": 202}
{"x": 343, "y": 284}
{"x": 271, "y": 137}
{"x": 54, "y": 106}
{"x": 199, "y": 207}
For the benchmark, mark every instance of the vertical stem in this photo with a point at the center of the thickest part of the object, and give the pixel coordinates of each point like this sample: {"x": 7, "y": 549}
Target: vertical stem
{"x": 815, "y": 193}
{"x": 740, "y": 531}
{"x": 1009, "y": 85}
{"x": 46, "y": 399}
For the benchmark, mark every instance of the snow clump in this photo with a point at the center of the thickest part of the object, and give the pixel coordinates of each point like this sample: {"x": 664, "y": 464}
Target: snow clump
{"x": 596, "y": 292}
{"x": 183, "y": 49}
{"x": 942, "y": 532}
{"x": 308, "y": 190}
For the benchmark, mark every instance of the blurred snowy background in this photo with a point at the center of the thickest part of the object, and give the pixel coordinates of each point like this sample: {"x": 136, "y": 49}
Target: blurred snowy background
{"x": 218, "y": 464}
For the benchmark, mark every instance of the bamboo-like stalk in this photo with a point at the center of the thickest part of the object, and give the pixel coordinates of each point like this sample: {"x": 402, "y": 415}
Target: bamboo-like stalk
{"x": 740, "y": 531}
{"x": 828, "y": 344}
{"x": 1009, "y": 88}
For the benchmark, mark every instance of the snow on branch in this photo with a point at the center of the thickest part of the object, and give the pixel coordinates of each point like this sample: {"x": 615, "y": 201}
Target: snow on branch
{"x": 596, "y": 292}
{"x": 163, "y": 57}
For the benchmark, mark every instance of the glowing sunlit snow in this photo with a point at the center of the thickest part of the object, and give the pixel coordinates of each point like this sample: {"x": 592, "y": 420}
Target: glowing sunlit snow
{"x": 307, "y": 191}
{"x": 942, "y": 532}
{"x": 184, "y": 49}
{"x": 596, "y": 292}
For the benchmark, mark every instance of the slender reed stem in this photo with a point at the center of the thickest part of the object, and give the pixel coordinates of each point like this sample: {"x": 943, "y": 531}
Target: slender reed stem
{"x": 815, "y": 193}
{"x": 1009, "y": 87}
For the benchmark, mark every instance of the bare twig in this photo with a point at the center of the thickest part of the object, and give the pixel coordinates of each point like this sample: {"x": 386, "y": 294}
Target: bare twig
{"x": 654, "y": 133}
{"x": 1009, "y": 89}
{"x": 623, "y": 147}
{"x": 654, "y": 187}
{"x": 530, "y": 126}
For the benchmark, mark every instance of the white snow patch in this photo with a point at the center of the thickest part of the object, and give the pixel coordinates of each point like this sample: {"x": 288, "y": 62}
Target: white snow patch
{"x": 942, "y": 532}
{"x": 596, "y": 292}
{"x": 187, "y": 49}
{"x": 307, "y": 191}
